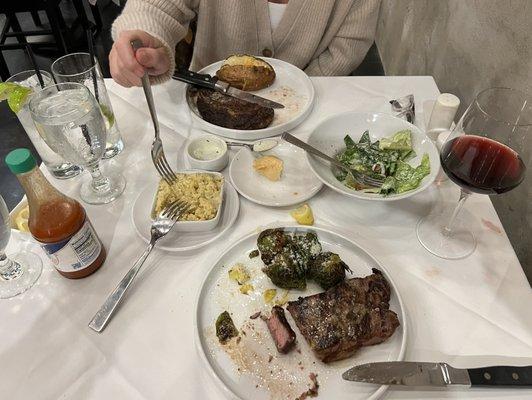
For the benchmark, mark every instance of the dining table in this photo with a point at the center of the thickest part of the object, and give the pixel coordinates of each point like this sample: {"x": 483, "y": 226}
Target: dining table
{"x": 469, "y": 312}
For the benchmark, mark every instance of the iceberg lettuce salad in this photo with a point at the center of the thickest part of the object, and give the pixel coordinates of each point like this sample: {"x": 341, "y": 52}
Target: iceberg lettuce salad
{"x": 386, "y": 158}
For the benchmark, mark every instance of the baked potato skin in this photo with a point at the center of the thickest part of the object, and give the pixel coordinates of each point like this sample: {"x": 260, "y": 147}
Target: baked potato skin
{"x": 246, "y": 72}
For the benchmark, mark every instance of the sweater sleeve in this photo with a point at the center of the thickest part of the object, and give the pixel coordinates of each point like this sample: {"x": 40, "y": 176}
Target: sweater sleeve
{"x": 351, "y": 43}
{"x": 166, "y": 20}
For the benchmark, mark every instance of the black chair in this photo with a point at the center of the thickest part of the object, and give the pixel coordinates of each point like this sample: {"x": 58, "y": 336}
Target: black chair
{"x": 58, "y": 28}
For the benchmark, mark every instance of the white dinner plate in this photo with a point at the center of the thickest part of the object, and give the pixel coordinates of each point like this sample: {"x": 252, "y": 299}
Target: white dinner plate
{"x": 253, "y": 377}
{"x": 329, "y": 135}
{"x": 183, "y": 241}
{"x": 292, "y": 88}
{"x": 296, "y": 185}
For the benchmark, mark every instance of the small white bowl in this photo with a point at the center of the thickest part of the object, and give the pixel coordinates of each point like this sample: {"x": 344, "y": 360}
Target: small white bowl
{"x": 196, "y": 226}
{"x": 207, "y": 152}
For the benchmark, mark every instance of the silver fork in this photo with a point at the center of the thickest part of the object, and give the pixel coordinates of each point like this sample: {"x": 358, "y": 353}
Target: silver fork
{"x": 361, "y": 178}
{"x": 160, "y": 227}
{"x": 157, "y": 153}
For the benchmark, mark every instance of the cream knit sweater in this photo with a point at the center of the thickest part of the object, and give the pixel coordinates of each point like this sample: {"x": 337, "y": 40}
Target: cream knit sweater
{"x": 323, "y": 37}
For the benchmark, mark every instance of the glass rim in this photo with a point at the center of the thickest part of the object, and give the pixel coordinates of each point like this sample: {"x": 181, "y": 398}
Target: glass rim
{"x": 36, "y": 97}
{"x": 27, "y": 71}
{"x": 488, "y": 114}
{"x": 94, "y": 65}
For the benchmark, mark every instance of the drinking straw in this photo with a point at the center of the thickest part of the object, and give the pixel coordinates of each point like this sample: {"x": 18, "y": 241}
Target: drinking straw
{"x": 93, "y": 63}
{"x": 34, "y": 65}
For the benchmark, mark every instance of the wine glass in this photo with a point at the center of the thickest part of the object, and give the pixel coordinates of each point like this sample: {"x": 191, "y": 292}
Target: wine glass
{"x": 69, "y": 119}
{"x": 20, "y": 271}
{"x": 483, "y": 154}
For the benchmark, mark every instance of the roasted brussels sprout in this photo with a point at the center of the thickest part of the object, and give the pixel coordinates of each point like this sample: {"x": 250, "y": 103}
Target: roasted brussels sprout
{"x": 285, "y": 273}
{"x": 254, "y": 253}
{"x": 225, "y": 328}
{"x": 306, "y": 247}
{"x": 328, "y": 269}
{"x": 271, "y": 242}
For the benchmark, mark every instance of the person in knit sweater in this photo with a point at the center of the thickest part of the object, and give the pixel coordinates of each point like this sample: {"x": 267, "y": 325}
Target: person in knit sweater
{"x": 322, "y": 37}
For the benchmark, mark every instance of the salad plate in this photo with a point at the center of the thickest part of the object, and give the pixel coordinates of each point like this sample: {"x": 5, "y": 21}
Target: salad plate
{"x": 255, "y": 370}
{"x": 330, "y": 137}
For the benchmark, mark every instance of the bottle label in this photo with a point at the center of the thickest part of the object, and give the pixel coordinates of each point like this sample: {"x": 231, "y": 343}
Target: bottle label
{"x": 76, "y": 252}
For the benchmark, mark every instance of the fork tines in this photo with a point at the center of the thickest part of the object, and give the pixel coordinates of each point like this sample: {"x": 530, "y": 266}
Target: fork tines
{"x": 161, "y": 163}
{"x": 175, "y": 209}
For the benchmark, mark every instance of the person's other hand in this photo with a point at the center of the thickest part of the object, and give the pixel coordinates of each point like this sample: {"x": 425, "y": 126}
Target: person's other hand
{"x": 127, "y": 67}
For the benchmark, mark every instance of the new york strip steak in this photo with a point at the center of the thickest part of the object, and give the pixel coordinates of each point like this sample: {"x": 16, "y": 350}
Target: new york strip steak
{"x": 352, "y": 314}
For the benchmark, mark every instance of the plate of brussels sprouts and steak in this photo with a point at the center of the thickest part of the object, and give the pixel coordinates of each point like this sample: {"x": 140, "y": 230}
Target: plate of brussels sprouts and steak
{"x": 284, "y": 311}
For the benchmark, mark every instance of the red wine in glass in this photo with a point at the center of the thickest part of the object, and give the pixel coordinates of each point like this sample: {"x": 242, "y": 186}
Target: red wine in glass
{"x": 482, "y": 165}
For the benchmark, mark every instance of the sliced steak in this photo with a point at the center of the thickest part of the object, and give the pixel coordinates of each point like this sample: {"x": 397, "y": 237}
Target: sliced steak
{"x": 229, "y": 112}
{"x": 283, "y": 335}
{"x": 352, "y": 314}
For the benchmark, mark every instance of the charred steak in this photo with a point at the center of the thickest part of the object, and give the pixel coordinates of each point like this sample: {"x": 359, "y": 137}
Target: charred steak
{"x": 352, "y": 314}
{"x": 229, "y": 112}
{"x": 282, "y": 334}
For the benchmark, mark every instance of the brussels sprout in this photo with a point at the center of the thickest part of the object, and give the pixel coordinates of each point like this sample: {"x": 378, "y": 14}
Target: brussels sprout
{"x": 328, "y": 270}
{"x": 285, "y": 272}
{"x": 271, "y": 242}
{"x": 239, "y": 274}
{"x": 246, "y": 288}
{"x": 307, "y": 246}
{"x": 225, "y": 328}
{"x": 254, "y": 253}
{"x": 269, "y": 295}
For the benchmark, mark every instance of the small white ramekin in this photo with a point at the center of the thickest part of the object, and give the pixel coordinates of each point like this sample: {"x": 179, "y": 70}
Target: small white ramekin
{"x": 215, "y": 164}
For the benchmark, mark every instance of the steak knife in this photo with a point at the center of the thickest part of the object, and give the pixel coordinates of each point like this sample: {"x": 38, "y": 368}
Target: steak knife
{"x": 212, "y": 82}
{"x": 439, "y": 374}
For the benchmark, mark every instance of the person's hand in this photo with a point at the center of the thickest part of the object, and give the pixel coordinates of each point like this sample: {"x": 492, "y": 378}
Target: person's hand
{"x": 127, "y": 67}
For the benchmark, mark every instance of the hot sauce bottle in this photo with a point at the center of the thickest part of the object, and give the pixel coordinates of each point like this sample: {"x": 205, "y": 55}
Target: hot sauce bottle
{"x": 58, "y": 222}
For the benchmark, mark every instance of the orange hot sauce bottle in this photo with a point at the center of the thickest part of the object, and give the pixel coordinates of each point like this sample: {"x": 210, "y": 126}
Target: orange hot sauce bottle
{"x": 58, "y": 222}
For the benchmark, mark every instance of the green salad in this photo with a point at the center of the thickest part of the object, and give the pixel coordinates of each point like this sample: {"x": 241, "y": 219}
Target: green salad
{"x": 386, "y": 158}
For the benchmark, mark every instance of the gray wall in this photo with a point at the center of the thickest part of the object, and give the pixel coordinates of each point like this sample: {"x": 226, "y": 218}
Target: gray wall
{"x": 468, "y": 45}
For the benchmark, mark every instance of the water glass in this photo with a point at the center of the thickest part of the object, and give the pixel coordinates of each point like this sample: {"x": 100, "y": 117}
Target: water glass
{"x": 20, "y": 271}
{"x": 55, "y": 164}
{"x": 68, "y": 117}
{"x": 81, "y": 68}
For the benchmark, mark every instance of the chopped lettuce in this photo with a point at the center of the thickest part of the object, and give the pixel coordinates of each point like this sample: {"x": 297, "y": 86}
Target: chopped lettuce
{"x": 401, "y": 140}
{"x": 386, "y": 158}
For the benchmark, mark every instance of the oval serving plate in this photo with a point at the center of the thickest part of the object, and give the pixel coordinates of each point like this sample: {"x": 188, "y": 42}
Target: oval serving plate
{"x": 292, "y": 88}
{"x": 245, "y": 371}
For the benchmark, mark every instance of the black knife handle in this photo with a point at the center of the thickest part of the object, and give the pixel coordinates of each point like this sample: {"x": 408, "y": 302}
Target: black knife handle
{"x": 205, "y": 80}
{"x": 501, "y": 376}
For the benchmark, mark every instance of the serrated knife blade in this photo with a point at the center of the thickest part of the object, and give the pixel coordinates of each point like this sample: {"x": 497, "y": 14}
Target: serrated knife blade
{"x": 246, "y": 96}
{"x": 423, "y": 374}
{"x": 408, "y": 374}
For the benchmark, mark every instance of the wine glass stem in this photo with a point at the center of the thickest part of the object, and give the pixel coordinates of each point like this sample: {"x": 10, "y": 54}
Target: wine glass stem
{"x": 9, "y": 269}
{"x": 99, "y": 182}
{"x": 447, "y": 229}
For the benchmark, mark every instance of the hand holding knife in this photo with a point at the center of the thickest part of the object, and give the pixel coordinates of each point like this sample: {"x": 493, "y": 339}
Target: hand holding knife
{"x": 212, "y": 82}
{"x": 423, "y": 374}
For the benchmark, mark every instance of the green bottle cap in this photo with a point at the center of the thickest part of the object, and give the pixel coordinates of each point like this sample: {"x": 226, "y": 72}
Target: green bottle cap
{"x": 20, "y": 161}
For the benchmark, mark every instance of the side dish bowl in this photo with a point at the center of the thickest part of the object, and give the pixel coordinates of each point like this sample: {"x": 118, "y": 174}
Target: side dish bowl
{"x": 329, "y": 135}
{"x": 196, "y": 226}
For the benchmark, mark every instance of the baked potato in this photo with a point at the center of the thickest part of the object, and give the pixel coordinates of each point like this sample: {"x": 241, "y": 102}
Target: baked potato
{"x": 246, "y": 72}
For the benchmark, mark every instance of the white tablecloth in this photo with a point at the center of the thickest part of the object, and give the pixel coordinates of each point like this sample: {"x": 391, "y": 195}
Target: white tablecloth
{"x": 468, "y": 312}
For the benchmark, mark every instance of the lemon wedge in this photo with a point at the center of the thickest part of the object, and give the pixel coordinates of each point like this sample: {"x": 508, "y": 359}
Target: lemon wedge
{"x": 303, "y": 215}
{"x": 21, "y": 220}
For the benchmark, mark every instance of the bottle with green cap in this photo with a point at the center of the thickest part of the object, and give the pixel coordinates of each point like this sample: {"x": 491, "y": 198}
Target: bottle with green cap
{"x": 58, "y": 222}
